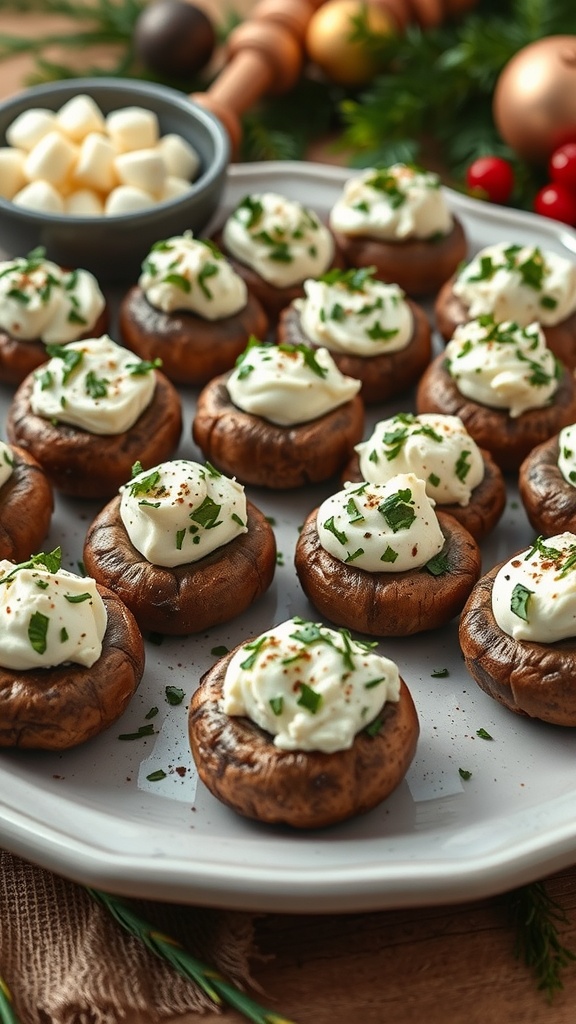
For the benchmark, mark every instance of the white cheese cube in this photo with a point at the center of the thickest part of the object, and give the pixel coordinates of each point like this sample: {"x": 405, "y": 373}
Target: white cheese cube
{"x": 29, "y": 127}
{"x": 95, "y": 166}
{"x": 143, "y": 168}
{"x": 128, "y": 199}
{"x": 41, "y": 196}
{"x": 51, "y": 159}
{"x": 80, "y": 116}
{"x": 132, "y": 128}
{"x": 181, "y": 159}
{"x": 174, "y": 188}
{"x": 12, "y": 177}
{"x": 84, "y": 202}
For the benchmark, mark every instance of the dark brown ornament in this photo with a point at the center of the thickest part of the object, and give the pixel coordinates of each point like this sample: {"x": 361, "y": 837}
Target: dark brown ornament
{"x": 534, "y": 105}
{"x": 174, "y": 38}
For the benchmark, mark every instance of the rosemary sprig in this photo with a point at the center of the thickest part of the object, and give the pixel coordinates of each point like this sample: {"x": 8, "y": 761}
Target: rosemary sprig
{"x": 7, "y": 1015}
{"x": 217, "y": 988}
{"x": 537, "y": 918}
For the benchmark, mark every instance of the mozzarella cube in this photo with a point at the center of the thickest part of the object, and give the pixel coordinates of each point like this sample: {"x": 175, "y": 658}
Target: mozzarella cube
{"x": 84, "y": 202}
{"x": 143, "y": 168}
{"x": 174, "y": 188}
{"x": 12, "y": 177}
{"x": 80, "y": 116}
{"x": 41, "y": 196}
{"x": 181, "y": 159}
{"x": 29, "y": 127}
{"x": 51, "y": 159}
{"x": 127, "y": 199}
{"x": 95, "y": 166}
{"x": 132, "y": 128}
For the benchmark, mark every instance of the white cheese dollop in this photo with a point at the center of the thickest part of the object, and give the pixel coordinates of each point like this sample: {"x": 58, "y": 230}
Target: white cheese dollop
{"x": 6, "y": 462}
{"x": 95, "y": 384}
{"x": 393, "y": 204}
{"x": 386, "y": 527}
{"x": 502, "y": 365}
{"x": 289, "y": 384}
{"x": 185, "y": 273}
{"x": 350, "y": 311}
{"x": 310, "y": 687}
{"x": 534, "y": 593}
{"x": 180, "y": 511}
{"x": 518, "y": 282}
{"x": 48, "y": 618}
{"x": 567, "y": 454}
{"x": 435, "y": 447}
{"x": 39, "y": 300}
{"x": 279, "y": 238}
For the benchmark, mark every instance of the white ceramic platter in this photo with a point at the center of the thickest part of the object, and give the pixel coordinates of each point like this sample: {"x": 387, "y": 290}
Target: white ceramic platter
{"x": 92, "y": 815}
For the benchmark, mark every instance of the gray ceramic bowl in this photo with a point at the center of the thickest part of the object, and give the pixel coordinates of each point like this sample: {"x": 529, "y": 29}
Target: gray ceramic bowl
{"x": 113, "y": 247}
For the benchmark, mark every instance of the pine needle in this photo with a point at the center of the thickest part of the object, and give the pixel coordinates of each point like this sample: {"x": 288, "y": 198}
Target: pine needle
{"x": 217, "y": 988}
{"x": 537, "y": 919}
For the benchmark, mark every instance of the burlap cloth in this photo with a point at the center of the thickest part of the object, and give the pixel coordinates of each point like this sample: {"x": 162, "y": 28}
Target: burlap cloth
{"x": 66, "y": 961}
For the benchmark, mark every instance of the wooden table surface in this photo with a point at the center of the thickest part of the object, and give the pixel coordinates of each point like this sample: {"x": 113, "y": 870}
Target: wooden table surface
{"x": 441, "y": 965}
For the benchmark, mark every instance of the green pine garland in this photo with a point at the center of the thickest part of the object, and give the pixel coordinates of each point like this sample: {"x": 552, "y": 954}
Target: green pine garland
{"x": 432, "y": 100}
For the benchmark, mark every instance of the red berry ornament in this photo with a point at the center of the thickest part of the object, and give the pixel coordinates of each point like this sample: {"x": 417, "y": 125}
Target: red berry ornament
{"x": 556, "y": 201}
{"x": 491, "y": 177}
{"x": 562, "y": 166}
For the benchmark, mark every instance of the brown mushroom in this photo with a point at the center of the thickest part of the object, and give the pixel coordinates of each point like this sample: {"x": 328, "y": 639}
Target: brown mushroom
{"x": 419, "y": 266}
{"x": 240, "y": 765}
{"x": 192, "y": 349}
{"x": 483, "y": 511}
{"x": 86, "y": 465}
{"x": 509, "y": 440}
{"x": 26, "y": 506}
{"x": 187, "y": 598}
{"x": 549, "y": 500}
{"x": 450, "y": 312}
{"x": 383, "y": 376}
{"x": 60, "y": 707}
{"x": 388, "y": 603}
{"x": 533, "y": 679}
{"x": 262, "y": 453}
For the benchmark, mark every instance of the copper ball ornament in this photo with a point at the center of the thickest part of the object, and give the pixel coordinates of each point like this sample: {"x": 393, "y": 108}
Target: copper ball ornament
{"x": 534, "y": 103}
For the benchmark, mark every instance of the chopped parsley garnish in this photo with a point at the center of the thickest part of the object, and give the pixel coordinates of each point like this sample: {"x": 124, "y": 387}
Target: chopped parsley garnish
{"x": 462, "y": 467}
{"x": 277, "y": 705}
{"x": 143, "y": 730}
{"x": 174, "y": 695}
{"x": 397, "y": 511}
{"x": 520, "y": 601}
{"x": 309, "y": 698}
{"x": 389, "y": 555}
{"x": 438, "y": 564}
{"x": 144, "y": 486}
{"x": 51, "y": 561}
{"x": 330, "y": 526}
{"x": 464, "y": 774}
{"x": 206, "y": 515}
{"x": 38, "y": 632}
{"x": 483, "y": 735}
{"x": 96, "y": 387}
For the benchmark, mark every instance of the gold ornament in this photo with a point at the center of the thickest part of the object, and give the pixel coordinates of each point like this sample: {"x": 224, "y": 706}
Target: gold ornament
{"x": 329, "y": 44}
{"x": 534, "y": 105}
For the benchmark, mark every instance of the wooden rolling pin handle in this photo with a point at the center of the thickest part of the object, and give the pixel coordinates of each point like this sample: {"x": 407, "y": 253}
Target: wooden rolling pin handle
{"x": 293, "y": 15}
{"x": 264, "y": 55}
